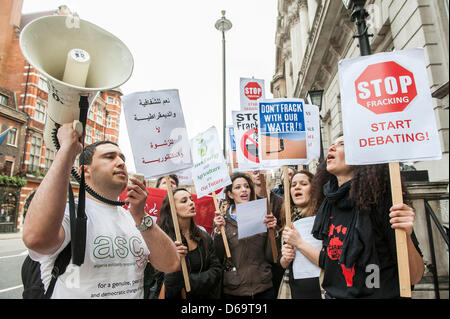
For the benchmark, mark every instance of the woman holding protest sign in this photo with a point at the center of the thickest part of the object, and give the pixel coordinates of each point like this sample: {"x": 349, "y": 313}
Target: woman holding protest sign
{"x": 204, "y": 267}
{"x": 307, "y": 286}
{"x": 250, "y": 275}
{"x": 356, "y": 223}
{"x": 152, "y": 286}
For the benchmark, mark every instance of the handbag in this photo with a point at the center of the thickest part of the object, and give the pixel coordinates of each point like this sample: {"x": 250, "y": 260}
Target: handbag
{"x": 284, "y": 292}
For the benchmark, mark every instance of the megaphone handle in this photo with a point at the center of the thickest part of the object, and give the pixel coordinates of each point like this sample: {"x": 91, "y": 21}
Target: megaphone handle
{"x": 78, "y": 127}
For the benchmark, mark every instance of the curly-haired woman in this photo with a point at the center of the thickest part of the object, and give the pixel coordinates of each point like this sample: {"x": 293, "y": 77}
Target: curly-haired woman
{"x": 356, "y": 223}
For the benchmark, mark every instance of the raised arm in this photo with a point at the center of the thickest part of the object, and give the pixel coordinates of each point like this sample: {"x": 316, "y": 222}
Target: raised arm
{"x": 42, "y": 229}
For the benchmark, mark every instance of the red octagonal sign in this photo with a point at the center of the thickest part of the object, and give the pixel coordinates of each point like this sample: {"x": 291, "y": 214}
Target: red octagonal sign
{"x": 253, "y": 91}
{"x": 385, "y": 87}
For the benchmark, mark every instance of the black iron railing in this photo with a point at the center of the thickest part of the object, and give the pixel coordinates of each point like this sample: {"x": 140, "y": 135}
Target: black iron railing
{"x": 430, "y": 215}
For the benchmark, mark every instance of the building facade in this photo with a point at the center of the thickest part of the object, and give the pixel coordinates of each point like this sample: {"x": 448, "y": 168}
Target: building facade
{"x": 23, "y": 106}
{"x": 312, "y": 36}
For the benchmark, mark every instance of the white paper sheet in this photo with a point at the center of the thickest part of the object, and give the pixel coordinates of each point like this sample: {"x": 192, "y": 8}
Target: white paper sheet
{"x": 302, "y": 267}
{"x": 250, "y": 218}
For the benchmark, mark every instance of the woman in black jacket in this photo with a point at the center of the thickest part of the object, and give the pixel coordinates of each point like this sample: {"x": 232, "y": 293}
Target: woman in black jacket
{"x": 204, "y": 268}
{"x": 356, "y": 222}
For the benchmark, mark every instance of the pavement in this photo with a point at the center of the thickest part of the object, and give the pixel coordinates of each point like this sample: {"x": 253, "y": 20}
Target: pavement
{"x": 4, "y": 236}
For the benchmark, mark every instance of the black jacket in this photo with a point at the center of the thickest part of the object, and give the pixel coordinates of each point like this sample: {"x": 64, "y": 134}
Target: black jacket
{"x": 205, "y": 284}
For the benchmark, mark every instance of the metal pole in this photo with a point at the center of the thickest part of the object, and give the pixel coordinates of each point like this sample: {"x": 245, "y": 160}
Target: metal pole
{"x": 359, "y": 15}
{"x": 224, "y": 116}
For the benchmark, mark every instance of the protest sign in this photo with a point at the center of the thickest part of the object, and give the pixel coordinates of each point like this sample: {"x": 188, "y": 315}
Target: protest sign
{"x": 312, "y": 123}
{"x": 209, "y": 172}
{"x": 250, "y": 218}
{"x": 184, "y": 177}
{"x": 302, "y": 267}
{"x": 387, "y": 110}
{"x": 282, "y": 132}
{"x": 245, "y": 125}
{"x": 232, "y": 149}
{"x": 157, "y": 132}
{"x": 251, "y": 91}
{"x": 388, "y": 117}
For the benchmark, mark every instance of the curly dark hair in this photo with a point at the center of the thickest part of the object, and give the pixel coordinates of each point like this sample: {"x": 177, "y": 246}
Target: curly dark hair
{"x": 370, "y": 186}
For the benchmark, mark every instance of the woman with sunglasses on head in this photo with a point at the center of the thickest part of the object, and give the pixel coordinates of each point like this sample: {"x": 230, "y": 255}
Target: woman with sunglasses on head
{"x": 300, "y": 204}
{"x": 250, "y": 275}
{"x": 197, "y": 247}
{"x": 356, "y": 223}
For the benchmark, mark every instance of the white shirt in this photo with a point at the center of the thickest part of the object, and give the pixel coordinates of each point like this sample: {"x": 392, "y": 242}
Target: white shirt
{"x": 115, "y": 259}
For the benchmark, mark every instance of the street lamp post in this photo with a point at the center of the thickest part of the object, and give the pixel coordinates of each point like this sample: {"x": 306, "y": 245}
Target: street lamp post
{"x": 223, "y": 25}
{"x": 359, "y": 14}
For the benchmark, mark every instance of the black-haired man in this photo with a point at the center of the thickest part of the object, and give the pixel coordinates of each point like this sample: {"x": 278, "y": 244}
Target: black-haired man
{"x": 118, "y": 242}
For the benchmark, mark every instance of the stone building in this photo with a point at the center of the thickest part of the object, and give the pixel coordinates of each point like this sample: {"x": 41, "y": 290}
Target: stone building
{"x": 313, "y": 35}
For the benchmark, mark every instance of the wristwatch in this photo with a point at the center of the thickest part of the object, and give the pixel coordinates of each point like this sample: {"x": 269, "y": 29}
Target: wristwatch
{"x": 146, "y": 223}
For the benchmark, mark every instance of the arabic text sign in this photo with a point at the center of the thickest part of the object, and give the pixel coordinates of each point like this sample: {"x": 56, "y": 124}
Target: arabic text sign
{"x": 387, "y": 110}
{"x": 157, "y": 132}
{"x": 209, "y": 172}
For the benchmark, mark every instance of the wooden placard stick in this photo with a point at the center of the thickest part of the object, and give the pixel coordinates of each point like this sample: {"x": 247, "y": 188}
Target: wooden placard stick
{"x": 177, "y": 232}
{"x": 222, "y": 229}
{"x": 287, "y": 199}
{"x": 273, "y": 243}
{"x": 400, "y": 234}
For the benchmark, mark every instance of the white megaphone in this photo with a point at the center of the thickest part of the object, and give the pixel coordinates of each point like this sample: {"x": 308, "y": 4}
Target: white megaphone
{"x": 77, "y": 61}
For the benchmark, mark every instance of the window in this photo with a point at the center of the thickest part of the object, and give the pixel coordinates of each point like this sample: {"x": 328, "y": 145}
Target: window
{"x": 98, "y": 136}
{"x": 3, "y": 100}
{"x": 12, "y": 137}
{"x": 100, "y": 116}
{"x": 7, "y": 168}
{"x": 49, "y": 157}
{"x": 91, "y": 114}
{"x": 39, "y": 112}
{"x": 35, "y": 152}
{"x": 110, "y": 122}
{"x": 42, "y": 84}
{"x": 88, "y": 139}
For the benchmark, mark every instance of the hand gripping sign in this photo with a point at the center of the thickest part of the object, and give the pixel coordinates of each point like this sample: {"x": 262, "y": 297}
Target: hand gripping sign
{"x": 388, "y": 117}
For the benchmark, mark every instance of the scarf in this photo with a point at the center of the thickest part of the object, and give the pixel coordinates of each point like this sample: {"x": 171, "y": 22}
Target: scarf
{"x": 359, "y": 244}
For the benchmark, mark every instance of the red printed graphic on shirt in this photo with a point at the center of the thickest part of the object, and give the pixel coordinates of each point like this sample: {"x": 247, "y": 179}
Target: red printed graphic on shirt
{"x": 334, "y": 249}
{"x": 348, "y": 274}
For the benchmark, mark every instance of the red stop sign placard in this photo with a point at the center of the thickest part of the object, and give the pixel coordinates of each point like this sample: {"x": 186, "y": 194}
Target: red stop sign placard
{"x": 253, "y": 91}
{"x": 385, "y": 87}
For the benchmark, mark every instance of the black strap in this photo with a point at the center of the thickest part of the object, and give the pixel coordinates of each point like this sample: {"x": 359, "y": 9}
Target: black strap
{"x": 78, "y": 222}
{"x": 59, "y": 268}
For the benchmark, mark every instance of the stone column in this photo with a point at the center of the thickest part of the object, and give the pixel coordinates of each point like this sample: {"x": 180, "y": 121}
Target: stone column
{"x": 304, "y": 22}
{"x": 312, "y": 8}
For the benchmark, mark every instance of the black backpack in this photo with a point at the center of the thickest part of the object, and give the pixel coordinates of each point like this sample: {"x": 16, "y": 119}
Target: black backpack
{"x": 33, "y": 288}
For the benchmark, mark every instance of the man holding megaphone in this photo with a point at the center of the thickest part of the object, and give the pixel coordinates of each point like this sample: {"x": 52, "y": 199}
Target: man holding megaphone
{"x": 110, "y": 246}
{"x": 118, "y": 242}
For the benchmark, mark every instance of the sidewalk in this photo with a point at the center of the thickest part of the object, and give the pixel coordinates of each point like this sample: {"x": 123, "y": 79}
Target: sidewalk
{"x": 17, "y": 235}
